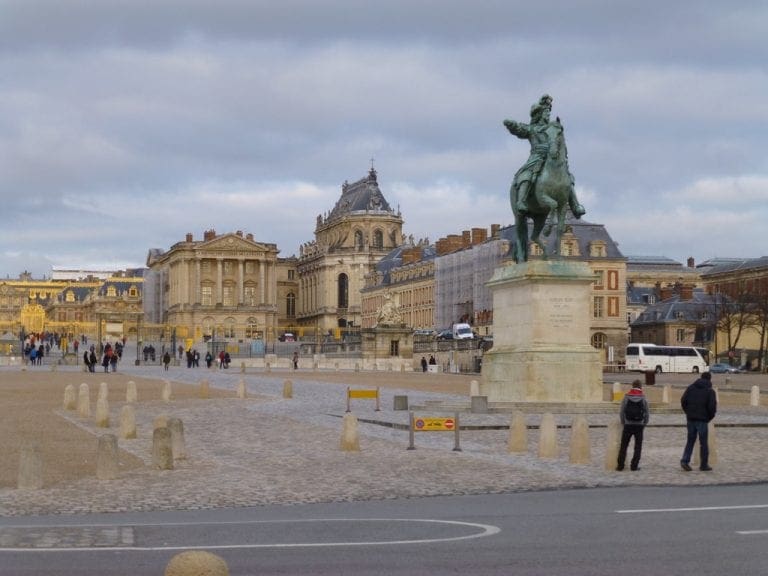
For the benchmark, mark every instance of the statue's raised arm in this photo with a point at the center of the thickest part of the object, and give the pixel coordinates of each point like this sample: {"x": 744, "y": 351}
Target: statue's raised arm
{"x": 543, "y": 185}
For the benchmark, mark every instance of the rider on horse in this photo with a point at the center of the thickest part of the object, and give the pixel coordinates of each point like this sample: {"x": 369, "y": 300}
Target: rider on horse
{"x": 525, "y": 178}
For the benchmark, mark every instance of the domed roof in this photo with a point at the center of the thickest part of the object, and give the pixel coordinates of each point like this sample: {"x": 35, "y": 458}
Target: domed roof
{"x": 361, "y": 196}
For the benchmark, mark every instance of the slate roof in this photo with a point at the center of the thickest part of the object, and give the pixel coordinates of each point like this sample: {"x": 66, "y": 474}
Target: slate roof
{"x": 360, "y": 196}
{"x": 584, "y": 233}
{"x": 674, "y": 309}
{"x": 394, "y": 259}
{"x": 733, "y": 265}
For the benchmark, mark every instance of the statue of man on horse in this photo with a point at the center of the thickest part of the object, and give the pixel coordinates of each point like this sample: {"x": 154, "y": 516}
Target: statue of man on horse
{"x": 543, "y": 186}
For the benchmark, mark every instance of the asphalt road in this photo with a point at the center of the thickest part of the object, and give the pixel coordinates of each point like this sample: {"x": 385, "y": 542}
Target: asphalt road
{"x": 650, "y": 530}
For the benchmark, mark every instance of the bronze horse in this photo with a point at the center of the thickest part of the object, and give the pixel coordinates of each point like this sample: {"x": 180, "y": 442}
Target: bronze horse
{"x": 554, "y": 181}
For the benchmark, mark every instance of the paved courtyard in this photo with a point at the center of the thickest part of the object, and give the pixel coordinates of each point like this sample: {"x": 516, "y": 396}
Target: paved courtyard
{"x": 267, "y": 449}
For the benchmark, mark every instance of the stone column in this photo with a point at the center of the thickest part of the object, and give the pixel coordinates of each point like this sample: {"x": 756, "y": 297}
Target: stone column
{"x": 240, "y": 274}
{"x": 198, "y": 282}
{"x": 219, "y": 281}
{"x": 262, "y": 281}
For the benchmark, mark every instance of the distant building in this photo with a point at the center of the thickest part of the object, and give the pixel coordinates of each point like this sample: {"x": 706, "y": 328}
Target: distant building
{"x": 360, "y": 230}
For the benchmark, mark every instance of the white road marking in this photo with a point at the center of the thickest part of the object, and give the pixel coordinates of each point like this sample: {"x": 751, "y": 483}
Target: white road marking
{"x": 484, "y": 530}
{"x": 699, "y": 509}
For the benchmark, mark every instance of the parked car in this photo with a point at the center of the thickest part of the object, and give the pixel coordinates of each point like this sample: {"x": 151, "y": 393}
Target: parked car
{"x": 287, "y": 337}
{"x": 423, "y": 332}
{"x": 446, "y": 334}
{"x": 723, "y": 368}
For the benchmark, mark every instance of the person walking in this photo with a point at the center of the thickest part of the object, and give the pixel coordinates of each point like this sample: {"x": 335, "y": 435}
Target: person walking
{"x": 699, "y": 402}
{"x": 423, "y": 364}
{"x": 166, "y": 360}
{"x": 295, "y": 359}
{"x": 634, "y": 414}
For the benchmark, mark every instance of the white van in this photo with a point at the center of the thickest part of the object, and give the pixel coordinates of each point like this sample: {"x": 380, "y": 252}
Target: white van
{"x": 462, "y": 332}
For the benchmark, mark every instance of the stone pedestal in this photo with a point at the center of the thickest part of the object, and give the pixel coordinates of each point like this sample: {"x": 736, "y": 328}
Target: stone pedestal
{"x": 541, "y": 332}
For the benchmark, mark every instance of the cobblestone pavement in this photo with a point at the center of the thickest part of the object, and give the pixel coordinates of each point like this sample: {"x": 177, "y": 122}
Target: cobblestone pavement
{"x": 266, "y": 449}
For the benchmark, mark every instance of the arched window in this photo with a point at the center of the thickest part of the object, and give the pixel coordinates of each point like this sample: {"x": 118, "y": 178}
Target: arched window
{"x": 378, "y": 239}
{"x": 599, "y": 340}
{"x": 343, "y": 291}
{"x": 251, "y": 328}
{"x": 290, "y": 304}
{"x": 229, "y": 328}
{"x": 358, "y": 239}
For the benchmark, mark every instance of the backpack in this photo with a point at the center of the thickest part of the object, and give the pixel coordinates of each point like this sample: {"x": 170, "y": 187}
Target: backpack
{"x": 634, "y": 411}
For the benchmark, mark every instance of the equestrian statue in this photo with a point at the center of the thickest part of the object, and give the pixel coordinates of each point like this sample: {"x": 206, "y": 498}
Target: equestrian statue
{"x": 543, "y": 188}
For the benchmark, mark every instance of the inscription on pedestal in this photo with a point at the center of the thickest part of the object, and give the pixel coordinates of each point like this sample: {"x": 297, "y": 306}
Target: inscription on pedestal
{"x": 561, "y": 311}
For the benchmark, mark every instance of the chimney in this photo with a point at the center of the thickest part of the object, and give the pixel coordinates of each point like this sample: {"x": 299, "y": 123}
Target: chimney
{"x": 411, "y": 255}
{"x": 249, "y": 236}
{"x": 239, "y": 233}
{"x": 209, "y": 234}
{"x": 686, "y": 292}
{"x": 466, "y": 239}
{"x": 454, "y": 242}
{"x": 691, "y": 262}
{"x": 495, "y": 230}
{"x": 479, "y": 235}
{"x": 189, "y": 236}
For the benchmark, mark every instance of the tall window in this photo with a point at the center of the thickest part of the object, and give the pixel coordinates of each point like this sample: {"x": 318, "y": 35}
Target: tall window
{"x": 250, "y": 295}
{"x": 206, "y": 296}
{"x": 599, "y": 282}
{"x": 251, "y": 328}
{"x": 378, "y": 239}
{"x": 343, "y": 291}
{"x": 358, "y": 239}
{"x": 229, "y": 295}
{"x": 290, "y": 304}
{"x": 598, "y": 307}
{"x": 229, "y": 328}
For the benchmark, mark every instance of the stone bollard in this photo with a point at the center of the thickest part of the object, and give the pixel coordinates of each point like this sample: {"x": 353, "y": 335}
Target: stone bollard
{"x": 196, "y": 563}
{"x": 127, "y": 422}
{"x": 612, "y": 444}
{"x": 160, "y": 421}
{"x": 357, "y": 367}
{"x": 102, "y": 413}
{"x": 84, "y": 401}
{"x": 166, "y": 394}
{"x": 479, "y": 404}
{"x": 350, "y": 439}
{"x": 580, "y": 445}
{"x": 130, "y": 392}
{"x": 241, "y": 389}
{"x": 665, "y": 393}
{"x": 287, "y": 389}
{"x": 269, "y": 367}
{"x": 754, "y": 396}
{"x": 617, "y": 393}
{"x": 400, "y": 402}
{"x": 402, "y": 367}
{"x": 70, "y": 398}
{"x": 205, "y": 389}
{"x": 178, "y": 446}
{"x": 518, "y": 433}
{"x": 106, "y": 458}
{"x": 103, "y": 391}
{"x": 30, "y": 467}
{"x": 336, "y": 366}
{"x": 242, "y": 367}
{"x": 474, "y": 388}
{"x": 548, "y": 437}
{"x": 162, "y": 450}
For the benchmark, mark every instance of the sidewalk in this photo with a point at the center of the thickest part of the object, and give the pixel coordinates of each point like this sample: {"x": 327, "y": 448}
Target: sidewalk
{"x": 270, "y": 450}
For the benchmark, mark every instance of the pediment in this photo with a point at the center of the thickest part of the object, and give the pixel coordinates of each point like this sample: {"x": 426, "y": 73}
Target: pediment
{"x": 231, "y": 242}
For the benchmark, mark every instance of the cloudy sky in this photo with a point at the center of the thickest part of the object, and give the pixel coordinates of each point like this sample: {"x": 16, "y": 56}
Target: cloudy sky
{"x": 125, "y": 124}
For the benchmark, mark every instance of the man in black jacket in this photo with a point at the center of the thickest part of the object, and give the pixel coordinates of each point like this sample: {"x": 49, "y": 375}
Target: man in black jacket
{"x": 699, "y": 403}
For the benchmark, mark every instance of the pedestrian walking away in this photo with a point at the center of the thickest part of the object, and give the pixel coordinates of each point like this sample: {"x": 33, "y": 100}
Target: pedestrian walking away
{"x": 699, "y": 402}
{"x": 634, "y": 415}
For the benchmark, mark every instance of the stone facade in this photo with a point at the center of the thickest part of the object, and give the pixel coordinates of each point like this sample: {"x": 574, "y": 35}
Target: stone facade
{"x": 223, "y": 287}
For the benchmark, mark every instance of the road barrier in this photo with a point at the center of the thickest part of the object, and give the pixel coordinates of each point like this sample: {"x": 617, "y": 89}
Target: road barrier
{"x": 433, "y": 424}
{"x": 363, "y": 394}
